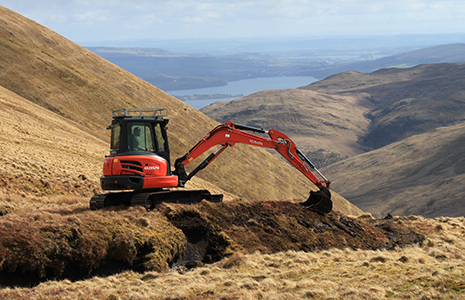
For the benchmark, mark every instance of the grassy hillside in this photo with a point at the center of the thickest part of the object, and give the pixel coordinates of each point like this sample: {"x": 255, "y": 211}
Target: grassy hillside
{"x": 422, "y": 174}
{"x": 53, "y": 247}
{"x": 360, "y": 112}
{"x": 38, "y": 156}
{"x": 46, "y": 69}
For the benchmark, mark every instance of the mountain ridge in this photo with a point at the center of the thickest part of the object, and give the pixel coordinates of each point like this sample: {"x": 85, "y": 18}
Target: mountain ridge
{"x": 405, "y": 101}
{"x": 446, "y": 53}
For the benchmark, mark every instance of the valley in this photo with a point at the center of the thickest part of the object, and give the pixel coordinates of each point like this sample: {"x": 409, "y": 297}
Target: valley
{"x": 172, "y": 71}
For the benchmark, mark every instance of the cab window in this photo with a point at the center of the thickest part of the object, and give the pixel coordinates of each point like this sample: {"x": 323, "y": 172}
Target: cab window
{"x": 160, "y": 140}
{"x": 115, "y": 139}
{"x": 140, "y": 137}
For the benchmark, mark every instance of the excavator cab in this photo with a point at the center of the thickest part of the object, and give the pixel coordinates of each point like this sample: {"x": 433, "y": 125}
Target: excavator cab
{"x": 139, "y": 161}
{"x": 135, "y": 130}
{"x": 139, "y": 151}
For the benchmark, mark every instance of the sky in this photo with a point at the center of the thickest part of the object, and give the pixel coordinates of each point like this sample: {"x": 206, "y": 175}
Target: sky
{"x": 106, "y": 22}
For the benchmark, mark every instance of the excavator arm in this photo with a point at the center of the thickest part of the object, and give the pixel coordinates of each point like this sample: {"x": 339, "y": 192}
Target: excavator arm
{"x": 229, "y": 134}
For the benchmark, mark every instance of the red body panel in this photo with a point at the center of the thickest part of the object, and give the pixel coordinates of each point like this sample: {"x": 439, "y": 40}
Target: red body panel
{"x": 152, "y": 168}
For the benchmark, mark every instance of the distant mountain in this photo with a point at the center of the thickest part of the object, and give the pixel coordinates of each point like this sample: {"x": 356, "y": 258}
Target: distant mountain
{"x": 381, "y": 44}
{"x": 108, "y": 51}
{"x": 176, "y": 71}
{"x": 450, "y": 53}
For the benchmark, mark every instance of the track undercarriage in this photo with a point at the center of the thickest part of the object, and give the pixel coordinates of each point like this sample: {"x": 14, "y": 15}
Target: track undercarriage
{"x": 151, "y": 199}
{"x": 318, "y": 201}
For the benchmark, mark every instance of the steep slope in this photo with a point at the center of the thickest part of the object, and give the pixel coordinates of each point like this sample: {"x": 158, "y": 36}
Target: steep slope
{"x": 423, "y": 174}
{"x": 38, "y": 156}
{"x": 46, "y": 69}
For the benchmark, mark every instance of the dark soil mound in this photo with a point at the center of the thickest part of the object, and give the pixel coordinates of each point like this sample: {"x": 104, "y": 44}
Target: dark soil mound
{"x": 217, "y": 230}
{"x": 76, "y": 244}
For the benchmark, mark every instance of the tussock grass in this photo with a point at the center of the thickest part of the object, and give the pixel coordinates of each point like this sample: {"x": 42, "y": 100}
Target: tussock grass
{"x": 72, "y": 241}
{"x": 57, "y": 99}
{"x": 431, "y": 270}
{"x": 413, "y": 272}
{"x": 59, "y": 237}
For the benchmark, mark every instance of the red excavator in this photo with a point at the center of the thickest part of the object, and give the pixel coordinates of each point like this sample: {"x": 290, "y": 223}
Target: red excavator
{"x": 139, "y": 160}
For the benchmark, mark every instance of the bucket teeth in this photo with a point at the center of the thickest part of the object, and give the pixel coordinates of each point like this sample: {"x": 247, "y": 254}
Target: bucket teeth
{"x": 319, "y": 201}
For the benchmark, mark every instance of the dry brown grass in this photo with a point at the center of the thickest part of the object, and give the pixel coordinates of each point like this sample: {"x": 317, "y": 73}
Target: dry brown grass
{"x": 433, "y": 270}
{"x": 422, "y": 174}
{"x": 43, "y": 154}
{"x": 71, "y": 241}
{"x": 47, "y": 229}
{"x": 42, "y": 238}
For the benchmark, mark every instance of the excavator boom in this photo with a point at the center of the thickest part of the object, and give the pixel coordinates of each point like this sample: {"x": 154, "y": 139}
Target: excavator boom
{"x": 229, "y": 134}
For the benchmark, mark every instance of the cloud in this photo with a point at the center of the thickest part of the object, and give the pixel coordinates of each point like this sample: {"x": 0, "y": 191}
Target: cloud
{"x": 93, "y": 16}
{"x": 168, "y": 19}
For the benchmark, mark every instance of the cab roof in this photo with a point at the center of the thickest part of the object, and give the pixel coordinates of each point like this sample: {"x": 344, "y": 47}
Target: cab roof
{"x": 141, "y": 113}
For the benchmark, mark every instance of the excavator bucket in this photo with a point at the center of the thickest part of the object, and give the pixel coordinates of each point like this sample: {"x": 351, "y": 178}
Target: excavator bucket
{"x": 319, "y": 201}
